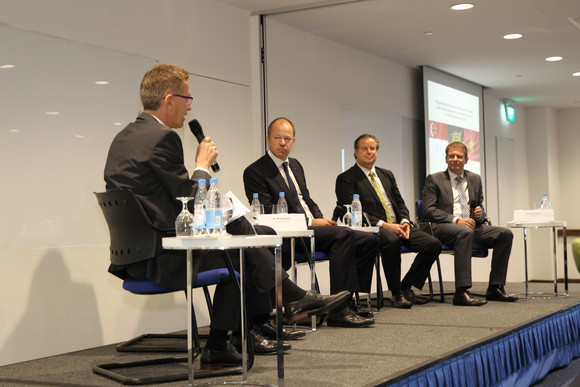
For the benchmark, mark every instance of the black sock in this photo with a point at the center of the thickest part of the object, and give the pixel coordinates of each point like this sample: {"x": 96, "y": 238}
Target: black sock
{"x": 217, "y": 339}
{"x": 291, "y": 291}
{"x": 462, "y": 289}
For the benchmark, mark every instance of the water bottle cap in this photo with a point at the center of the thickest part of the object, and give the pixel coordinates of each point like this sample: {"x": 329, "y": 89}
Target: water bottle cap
{"x": 282, "y": 194}
{"x": 201, "y": 182}
{"x": 213, "y": 180}
{"x": 544, "y": 195}
{"x": 355, "y": 196}
{"x": 255, "y": 195}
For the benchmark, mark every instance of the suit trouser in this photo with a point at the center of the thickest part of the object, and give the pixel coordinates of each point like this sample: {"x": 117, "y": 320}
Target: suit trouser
{"x": 462, "y": 240}
{"x": 428, "y": 249}
{"x": 352, "y": 256}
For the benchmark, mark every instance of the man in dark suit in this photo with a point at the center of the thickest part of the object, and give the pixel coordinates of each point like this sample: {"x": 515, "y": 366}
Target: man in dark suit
{"x": 385, "y": 207}
{"x": 352, "y": 254}
{"x": 448, "y": 199}
{"x": 147, "y": 158}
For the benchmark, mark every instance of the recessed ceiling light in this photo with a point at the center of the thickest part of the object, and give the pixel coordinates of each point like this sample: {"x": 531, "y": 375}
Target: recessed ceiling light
{"x": 7, "y": 66}
{"x": 118, "y": 123}
{"x": 14, "y": 130}
{"x": 554, "y": 58}
{"x": 513, "y": 36}
{"x": 576, "y": 74}
{"x": 461, "y": 7}
{"x": 79, "y": 136}
{"x": 428, "y": 33}
{"x": 101, "y": 83}
{"x": 52, "y": 113}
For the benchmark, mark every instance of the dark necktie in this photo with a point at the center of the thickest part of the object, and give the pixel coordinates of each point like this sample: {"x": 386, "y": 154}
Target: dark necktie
{"x": 462, "y": 198}
{"x": 293, "y": 191}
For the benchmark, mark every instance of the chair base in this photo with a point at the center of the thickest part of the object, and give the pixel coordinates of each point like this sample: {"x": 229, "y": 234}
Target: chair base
{"x": 152, "y": 342}
{"x": 156, "y": 371}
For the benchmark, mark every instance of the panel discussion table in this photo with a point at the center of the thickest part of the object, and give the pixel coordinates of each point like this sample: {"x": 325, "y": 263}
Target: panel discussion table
{"x": 553, "y": 225}
{"x": 225, "y": 242}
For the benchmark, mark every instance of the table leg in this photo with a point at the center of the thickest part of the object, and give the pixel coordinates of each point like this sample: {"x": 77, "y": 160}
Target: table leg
{"x": 526, "y": 258}
{"x": 243, "y": 318}
{"x": 313, "y": 276}
{"x": 565, "y": 259}
{"x": 189, "y": 295}
{"x": 279, "y": 322}
{"x": 555, "y": 261}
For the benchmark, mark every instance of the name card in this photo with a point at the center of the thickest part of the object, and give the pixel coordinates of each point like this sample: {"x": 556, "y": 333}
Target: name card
{"x": 283, "y": 222}
{"x": 534, "y": 216}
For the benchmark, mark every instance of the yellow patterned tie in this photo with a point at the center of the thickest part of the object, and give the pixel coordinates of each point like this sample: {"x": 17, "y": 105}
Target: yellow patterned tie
{"x": 381, "y": 197}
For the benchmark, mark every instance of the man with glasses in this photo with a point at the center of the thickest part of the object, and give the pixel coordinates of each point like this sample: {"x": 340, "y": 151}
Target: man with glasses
{"x": 385, "y": 207}
{"x": 147, "y": 158}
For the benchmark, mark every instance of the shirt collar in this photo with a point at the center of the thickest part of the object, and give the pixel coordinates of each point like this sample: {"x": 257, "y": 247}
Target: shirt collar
{"x": 452, "y": 175}
{"x": 367, "y": 171}
{"x": 276, "y": 160}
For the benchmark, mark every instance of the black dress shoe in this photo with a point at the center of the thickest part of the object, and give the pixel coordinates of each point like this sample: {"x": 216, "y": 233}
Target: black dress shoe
{"x": 359, "y": 311}
{"x": 399, "y": 301}
{"x": 466, "y": 299}
{"x": 262, "y": 346}
{"x": 410, "y": 295}
{"x": 313, "y": 303}
{"x": 214, "y": 359}
{"x": 346, "y": 317}
{"x": 268, "y": 329}
{"x": 497, "y": 293}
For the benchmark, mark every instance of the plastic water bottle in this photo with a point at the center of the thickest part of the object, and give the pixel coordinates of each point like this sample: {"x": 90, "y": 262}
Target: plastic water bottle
{"x": 199, "y": 208}
{"x": 213, "y": 211}
{"x": 256, "y": 207}
{"x": 545, "y": 203}
{"x": 282, "y": 206}
{"x": 356, "y": 209}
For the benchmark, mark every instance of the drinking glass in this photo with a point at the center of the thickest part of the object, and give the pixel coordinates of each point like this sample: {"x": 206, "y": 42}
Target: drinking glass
{"x": 227, "y": 212}
{"x": 347, "y": 218}
{"x": 184, "y": 221}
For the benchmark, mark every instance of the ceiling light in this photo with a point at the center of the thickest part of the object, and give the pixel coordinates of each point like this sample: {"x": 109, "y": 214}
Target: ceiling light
{"x": 52, "y": 113}
{"x": 428, "y": 33}
{"x": 101, "y": 83}
{"x": 14, "y": 130}
{"x": 7, "y": 66}
{"x": 576, "y": 74}
{"x": 513, "y": 36}
{"x": 118, "y": 123}
{"x": 461, "y": 7}
{"x": 554, "y": 58}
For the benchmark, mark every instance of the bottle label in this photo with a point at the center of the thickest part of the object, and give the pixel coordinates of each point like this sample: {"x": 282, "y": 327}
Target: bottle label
{"x": 214, "y": 219}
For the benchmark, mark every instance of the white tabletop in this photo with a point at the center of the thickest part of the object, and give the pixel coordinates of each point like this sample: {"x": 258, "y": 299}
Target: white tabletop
{"x": 373, "y": 229}
{"x": 295, "y": 233}
{"x": 554, "y": 223}
{"x": 221, "y": 242}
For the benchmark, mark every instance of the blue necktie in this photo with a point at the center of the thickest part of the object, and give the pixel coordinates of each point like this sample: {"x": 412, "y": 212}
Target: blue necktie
{"x": 293, "y": 191}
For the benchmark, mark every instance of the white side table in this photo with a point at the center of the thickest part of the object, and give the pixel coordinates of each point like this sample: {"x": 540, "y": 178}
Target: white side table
{"x": 240, "y": 242}
{"x": 553, "y": 225}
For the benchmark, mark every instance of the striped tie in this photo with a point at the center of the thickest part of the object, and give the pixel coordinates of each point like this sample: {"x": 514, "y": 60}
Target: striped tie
{"x": 381, "y": 197}
{"x": 462, "y": 198}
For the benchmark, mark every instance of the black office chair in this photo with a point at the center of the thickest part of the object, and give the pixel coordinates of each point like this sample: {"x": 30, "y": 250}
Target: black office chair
{"x": 133, "y": 238}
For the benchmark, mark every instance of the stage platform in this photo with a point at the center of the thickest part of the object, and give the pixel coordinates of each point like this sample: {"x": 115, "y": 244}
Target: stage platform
{"x": 505, "y": 343}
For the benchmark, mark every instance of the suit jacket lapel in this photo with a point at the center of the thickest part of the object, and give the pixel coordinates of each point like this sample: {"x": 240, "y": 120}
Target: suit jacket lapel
{"x": 448, "y": 188}
{"x": 363, "y": 181}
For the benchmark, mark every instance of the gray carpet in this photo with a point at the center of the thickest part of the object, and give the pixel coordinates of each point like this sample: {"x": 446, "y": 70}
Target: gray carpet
{"x": 399, "y": 342}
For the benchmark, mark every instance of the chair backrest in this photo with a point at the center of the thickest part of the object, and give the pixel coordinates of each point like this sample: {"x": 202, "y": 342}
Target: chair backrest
{"x": 419, "y": 209}
{"x": 133, "y": 236}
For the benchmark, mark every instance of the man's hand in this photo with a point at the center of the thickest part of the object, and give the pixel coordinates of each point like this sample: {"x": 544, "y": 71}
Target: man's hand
{"x": 206, "y": 154}
{"x": 467, "y": 222}
{"x": 478, "y": 212}
{"x": 400, "y": 230}
{"x": 323, "y": 222}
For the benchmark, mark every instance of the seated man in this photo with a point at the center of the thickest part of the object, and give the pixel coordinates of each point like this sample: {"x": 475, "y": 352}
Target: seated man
{"x": 352, "y": 253}
{"x": 147, "y": 158}
{"x": 383, "y": 203}
{"x": 446, "y": 205}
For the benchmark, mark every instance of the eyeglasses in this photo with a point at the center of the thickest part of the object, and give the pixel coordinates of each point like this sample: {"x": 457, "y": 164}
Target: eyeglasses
{"x": 189, "y": 98}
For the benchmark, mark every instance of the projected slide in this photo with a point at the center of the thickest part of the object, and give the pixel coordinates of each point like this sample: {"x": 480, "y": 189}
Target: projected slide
{"x": 453, "y": 115}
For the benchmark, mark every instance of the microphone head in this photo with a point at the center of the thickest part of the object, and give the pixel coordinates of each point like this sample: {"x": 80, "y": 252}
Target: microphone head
{"x": 473, "y": 203}
{"x": 196, "y": 129}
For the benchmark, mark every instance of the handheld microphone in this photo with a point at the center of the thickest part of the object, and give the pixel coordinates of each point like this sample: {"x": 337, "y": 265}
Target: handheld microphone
{"x": 195, "y": 128}
{"x": 472, "y": 206}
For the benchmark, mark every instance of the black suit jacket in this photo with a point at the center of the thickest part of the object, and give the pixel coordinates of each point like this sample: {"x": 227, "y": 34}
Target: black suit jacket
{"x": 354, "y": 181}
{"x": 438, "y": 196}
{"x": 264, "y": 178}
{"x": 147, "y": 158}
